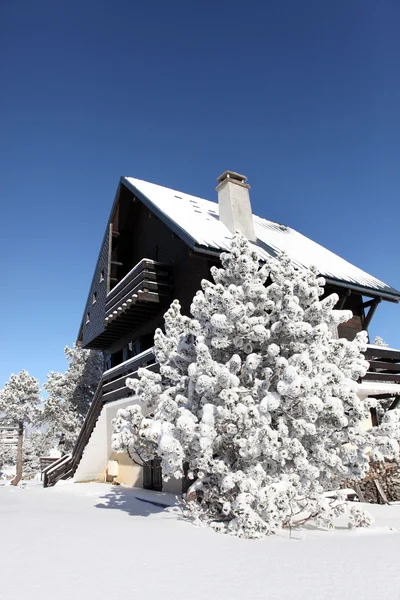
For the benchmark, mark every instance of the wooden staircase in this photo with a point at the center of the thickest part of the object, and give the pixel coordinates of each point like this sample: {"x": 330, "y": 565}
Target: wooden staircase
{"x": 111, "y": 387}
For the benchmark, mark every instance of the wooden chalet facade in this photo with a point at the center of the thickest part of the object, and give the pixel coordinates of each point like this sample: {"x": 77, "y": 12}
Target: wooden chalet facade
{"x": 158, "y": 245}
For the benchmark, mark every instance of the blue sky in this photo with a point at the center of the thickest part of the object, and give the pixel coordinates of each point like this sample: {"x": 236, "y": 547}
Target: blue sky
{"x": 302, "y": 97}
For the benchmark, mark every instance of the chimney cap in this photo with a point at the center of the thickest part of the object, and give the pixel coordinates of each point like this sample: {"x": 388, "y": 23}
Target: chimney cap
{"x": 236, "y": 177}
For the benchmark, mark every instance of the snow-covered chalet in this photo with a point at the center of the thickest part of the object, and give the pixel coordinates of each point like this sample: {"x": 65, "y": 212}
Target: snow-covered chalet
{"x": 158, "y": 245}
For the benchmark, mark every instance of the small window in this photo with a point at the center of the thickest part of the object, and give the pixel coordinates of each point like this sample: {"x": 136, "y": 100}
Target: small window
{"x": 101, "y": 276}
{"x": 94, "y": 298}
{"x": 87, "y": 317}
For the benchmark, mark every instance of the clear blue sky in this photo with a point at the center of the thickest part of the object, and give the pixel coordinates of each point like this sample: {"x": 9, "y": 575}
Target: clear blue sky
{"x": 302, "y": 97}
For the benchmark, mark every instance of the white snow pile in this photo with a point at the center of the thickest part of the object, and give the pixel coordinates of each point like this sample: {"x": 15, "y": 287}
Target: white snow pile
{"x": 82, "y": 541}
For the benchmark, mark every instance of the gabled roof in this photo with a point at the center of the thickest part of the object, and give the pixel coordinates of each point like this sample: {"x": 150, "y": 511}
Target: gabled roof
{"x": 196, "y": 222}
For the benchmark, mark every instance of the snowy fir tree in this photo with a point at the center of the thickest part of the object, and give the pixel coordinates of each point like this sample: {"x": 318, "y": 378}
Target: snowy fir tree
{"x": 70, "y": 395}
{"x": 19, "y": 400}
{"x": 36, "y": 446}
{"x": 378, "y": 341}
{"x": 60, "y": 416}
{"x": 85, "y": 368}
{"x": 256, "y": 401}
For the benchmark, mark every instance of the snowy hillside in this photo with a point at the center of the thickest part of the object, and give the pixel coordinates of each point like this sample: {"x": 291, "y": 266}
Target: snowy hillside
{"x": 82, "y": 541}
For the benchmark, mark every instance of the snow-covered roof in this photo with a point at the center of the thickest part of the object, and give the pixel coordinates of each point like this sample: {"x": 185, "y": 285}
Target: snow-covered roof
{"x": 196, "y": 221}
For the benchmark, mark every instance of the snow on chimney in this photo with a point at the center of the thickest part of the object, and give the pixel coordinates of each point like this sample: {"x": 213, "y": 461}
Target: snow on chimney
{"x": 234, "y": 204}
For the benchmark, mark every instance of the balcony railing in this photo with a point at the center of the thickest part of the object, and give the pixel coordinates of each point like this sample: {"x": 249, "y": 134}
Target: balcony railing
{"x": 141, "y": 291}
{"x": 384, "y": 365}
{"x": 114, "y": 379}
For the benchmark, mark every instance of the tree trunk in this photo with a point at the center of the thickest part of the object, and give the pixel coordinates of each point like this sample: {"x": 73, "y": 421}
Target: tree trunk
{"x": 18, "y": 475}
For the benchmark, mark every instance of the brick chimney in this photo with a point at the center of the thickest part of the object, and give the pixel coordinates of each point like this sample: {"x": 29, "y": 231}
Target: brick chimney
{"x": 234, "y": 204}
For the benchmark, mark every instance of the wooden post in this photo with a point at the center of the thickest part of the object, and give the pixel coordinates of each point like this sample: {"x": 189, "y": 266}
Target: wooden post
{"x": 381, "y": 492}
{"x": 359, "y": 493}
{"x": 368, "y": 317}
{"x": 18, "y": 475}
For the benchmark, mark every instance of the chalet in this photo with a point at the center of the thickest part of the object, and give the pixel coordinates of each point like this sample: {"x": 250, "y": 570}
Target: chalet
{"x": 158, "y": 245}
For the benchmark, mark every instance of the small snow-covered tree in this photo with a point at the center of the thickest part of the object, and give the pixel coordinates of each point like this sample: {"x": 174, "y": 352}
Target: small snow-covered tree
{"x": 19, "y": 400}
{"x": 36, "y": 446}
{"x": 378, "y": 341}
{"x": 254, "y": 398}
{"x": 70, "y": 395}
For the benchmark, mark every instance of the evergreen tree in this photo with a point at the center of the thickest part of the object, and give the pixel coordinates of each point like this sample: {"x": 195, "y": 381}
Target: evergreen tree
{"x": 19, "y": 400}
{"x": 254, "y": 398}
{"x": 70, "y": 395}
{"x": 378, "y": 341}
{"x": 85, "y": 368}
{"x": 36, "y": 446}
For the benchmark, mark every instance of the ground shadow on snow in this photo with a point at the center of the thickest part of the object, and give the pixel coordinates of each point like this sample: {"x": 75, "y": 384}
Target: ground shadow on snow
{"x": 126, "y": 499}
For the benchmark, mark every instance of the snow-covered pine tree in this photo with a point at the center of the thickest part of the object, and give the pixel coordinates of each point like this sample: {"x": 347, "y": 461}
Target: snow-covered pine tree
{"x": 19, "y": 400}
{"x": 36, "y": 446}
{"x": 254, "y": 397}
{"x": 60, "y": 416}
{"x": 85, "y": 368}
{"x": 378, "y": 341}
{"x": 70, "y": 395}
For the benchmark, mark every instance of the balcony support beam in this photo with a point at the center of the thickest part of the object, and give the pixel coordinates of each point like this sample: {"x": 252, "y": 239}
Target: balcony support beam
{"x": 371, "y": 312}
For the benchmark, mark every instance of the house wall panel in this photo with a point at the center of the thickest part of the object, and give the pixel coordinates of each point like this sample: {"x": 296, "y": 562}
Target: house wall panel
{"x": 96, "y": 311}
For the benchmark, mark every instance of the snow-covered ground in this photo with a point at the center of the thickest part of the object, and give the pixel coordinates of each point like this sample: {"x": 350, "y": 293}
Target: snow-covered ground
{"x": 84, "y": 541}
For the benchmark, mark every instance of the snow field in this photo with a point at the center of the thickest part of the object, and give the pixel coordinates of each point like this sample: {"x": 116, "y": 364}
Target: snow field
{"x": 84, "y": 541}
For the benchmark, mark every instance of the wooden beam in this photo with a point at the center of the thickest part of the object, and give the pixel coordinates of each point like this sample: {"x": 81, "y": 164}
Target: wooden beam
{"x": 382, "y": 377}
{"x": 394, "y": 403}
{"x": 374, "y": 418}
{"x": 381, "y": 492}
{"x": 371, "y": 312}
{"x": 343, "y": 299}
{"x": 385, "y": 366}
{"x": 368, "y": 303}
{"x": 378, "y": 352}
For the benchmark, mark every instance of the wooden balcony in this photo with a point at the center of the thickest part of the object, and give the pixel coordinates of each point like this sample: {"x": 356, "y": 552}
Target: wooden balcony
{"x": 384, "y": 365}
{"x": 136, "y": 299}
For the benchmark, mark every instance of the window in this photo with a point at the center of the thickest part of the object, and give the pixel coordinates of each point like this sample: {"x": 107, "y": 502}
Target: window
{"x": 101, "y": 275}
{"x": 87, "y": 317}
{"x": 94, "y": 298}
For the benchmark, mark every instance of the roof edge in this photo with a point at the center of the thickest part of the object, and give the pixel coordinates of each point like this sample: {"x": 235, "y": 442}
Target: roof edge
{"x": 367, "y": 291}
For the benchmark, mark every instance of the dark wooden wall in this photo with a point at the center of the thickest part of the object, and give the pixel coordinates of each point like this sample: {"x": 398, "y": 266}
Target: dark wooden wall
{"x": 143, "y": 235}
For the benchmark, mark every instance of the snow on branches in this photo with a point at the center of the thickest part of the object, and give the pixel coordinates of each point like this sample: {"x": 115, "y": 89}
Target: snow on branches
{"x": 70, "y": 395}
{"x": 256, "y": 401}
{"x": 19, "y": 399}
